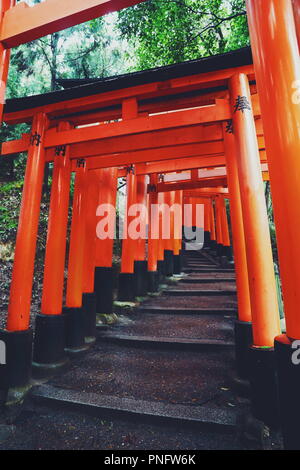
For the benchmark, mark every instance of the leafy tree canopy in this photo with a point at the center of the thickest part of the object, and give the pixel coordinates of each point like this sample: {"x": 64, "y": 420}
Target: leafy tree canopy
{"x": 164, "y": 32}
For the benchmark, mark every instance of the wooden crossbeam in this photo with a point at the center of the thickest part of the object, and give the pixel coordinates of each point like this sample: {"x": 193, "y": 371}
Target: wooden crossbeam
{"x": 206, "y": 114}
{"x": 201, "y": 183}
{"x": 24, "y": 24}
{"x": 206, "y": 192}
{"x": 131, "y": 158}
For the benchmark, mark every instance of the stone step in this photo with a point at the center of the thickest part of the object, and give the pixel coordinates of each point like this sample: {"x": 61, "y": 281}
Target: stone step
{"x": 205, "y": 280}
{"x": 189, "y": 344}
{"x": 204, "y": 417}
{"x": 189, "y": 293}
{"x": 152, "y": 309}
{"x": 208, "y": 270}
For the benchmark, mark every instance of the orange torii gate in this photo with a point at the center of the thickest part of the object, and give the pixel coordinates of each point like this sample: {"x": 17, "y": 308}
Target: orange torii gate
{"x": 217, "y": 121}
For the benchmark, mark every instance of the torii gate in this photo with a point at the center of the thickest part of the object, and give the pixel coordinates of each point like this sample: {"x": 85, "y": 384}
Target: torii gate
{"x": 148, "y": 135}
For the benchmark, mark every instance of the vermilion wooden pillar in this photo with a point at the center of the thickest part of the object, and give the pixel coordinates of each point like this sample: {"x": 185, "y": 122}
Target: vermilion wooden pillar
{"x": 126, "y": 278}
{"x": 194, "y": 202}
{"x": 18, "y": 336}
{"x": 225, "y": 229}
{"x": 128, "y": 244}
{"x": 140, "y": 262}
{"x": 178, "y": 226}
{"x": 141, "y": 199}
{"x": 22, "y": 277}
{"x": 49, "y": 340}
{"x": 277, "y": 68}
{"x": 237, "y": 226}
{"x": 77, "y": 239}
{"x": 207, "y": 238}
{"x": 90, "y": 232}
{"x": 263, "y": 294}
{"x": 243, "y": 326}
{"x": 107, "y": 195}
{"x": 74, "y": 313}
{"x": 212, "y": 222}
{"x": 53, "y": 283}
{"x": 168, "y": 218}
{"x": 161, "y": 198}
{"x": 105, "y": 273}
{"x": 160, "y": 243}
{"x": 153, "y": 235}
{"x": 178, "y": 233}
{"x": 219, "y": 225}
{"x": 282, "y": 137}
{"x": 4, "y": 57}
{"x": 89, "y": 296}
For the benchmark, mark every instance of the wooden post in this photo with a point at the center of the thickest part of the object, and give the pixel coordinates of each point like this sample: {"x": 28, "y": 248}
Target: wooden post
{"x": 127, "y": 285}
{"x": 107, "y": 194}
{"x": 224, "y": 222}
{"x": 77, "y": 239}
{"x": 22, "y": 277}
{"x": 141, "y": 198}
{"x": 262, "y": 286}
{"x": 53, "y": 283}
{"x": 277, "y": 69}
{"x": 237, "y": 226}
{"x": 128, "y": 245}
{"x": 243, "y": 326}
{"x": 212, "y": 221}
{"x": 90, "y": 232}
{"x": 18, "y": 335}
{"x": 49, "y": 339}
{"x": 265, "y": 316}
{"x": 105, "y": 273}
{"x": 153, "y": 234}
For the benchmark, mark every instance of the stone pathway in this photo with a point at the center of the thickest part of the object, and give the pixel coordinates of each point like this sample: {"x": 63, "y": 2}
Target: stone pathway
{"x": 162, "y": 378}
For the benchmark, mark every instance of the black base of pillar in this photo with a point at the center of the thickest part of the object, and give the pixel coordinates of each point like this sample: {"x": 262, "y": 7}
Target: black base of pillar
{"x": 15, "y": 359}
{"x": 219, "y": 249}
{"x": 141, "y": 278}
{"x": 288, "y": 371}
{"x": 169, "y": 262}
{"x": 153, "y": 281}
{"x": 105, "y": 280}
{"x": 263, "y": 385}
{"x": 49, "y": 345}
{"x": 207, "y": 240}
{"x": 89, "y": 317}
{"x": 126, "y": 291}
{"x": 161, "y": 270}
{"x": 74, "y": 329}
{"x": 243, "y": 342}
{"x": 177, "y": 263}
{"x": 227, "y": 251}
{"x": 213, "y": 245}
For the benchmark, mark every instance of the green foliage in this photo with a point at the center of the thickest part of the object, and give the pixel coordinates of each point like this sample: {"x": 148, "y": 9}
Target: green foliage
{"x": 169, "y": 31}
{"x": 92, "y": 49}
{"x": 10, "y": 197}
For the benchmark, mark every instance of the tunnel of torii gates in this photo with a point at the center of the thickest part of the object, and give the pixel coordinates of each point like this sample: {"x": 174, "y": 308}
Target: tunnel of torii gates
{"x": 236, "y": 111}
